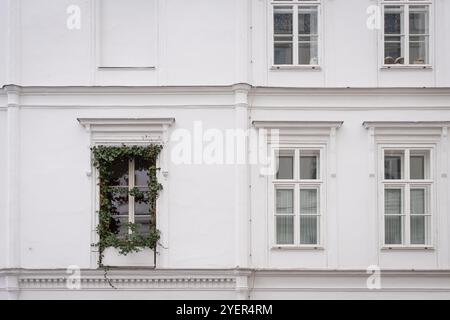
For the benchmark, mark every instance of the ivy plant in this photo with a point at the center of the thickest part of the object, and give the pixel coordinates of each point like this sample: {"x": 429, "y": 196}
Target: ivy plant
{"x": 104, "y": 157}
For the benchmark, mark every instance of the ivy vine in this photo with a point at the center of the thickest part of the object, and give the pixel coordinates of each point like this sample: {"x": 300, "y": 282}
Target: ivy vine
{"x": 104, "y": 158}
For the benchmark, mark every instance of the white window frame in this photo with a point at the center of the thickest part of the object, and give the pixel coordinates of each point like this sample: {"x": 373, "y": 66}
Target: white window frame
{"x": 406, "y": 184}
{"x": 406, "y": 4}
{"x": 296, "y": 184}
{"x": 295, "y": 65}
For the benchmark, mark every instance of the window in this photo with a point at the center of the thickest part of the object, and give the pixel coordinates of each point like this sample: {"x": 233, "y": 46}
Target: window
{"x": 407, "y": 192}
{"x": 406, "y": 35}
{"x": 295, "y": 32}
{"x": 298, "y": 187}
{"x": 128, "y": 175}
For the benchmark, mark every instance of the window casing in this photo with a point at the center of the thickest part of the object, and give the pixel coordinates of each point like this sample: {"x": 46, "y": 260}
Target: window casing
{"x": 407, "y": 192}
{"x": 298, "y": 197}
{"x": 407, "y": 32}
{"x": 296, "y": 32}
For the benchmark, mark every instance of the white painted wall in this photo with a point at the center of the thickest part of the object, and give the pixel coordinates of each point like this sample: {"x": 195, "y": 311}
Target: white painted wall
{"x": 202, "y": 48}
{"x": 202, "y": 42}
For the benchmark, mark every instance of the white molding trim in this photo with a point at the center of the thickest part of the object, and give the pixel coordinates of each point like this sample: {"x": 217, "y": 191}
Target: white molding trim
{"x": 297, "y": 124}
{"x": 405, "y": 124}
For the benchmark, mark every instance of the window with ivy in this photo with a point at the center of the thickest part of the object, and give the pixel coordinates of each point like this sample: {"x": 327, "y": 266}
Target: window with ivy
{"x": 128, "y": 192}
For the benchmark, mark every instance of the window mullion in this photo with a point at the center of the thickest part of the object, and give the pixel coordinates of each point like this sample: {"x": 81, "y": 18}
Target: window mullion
{"x": 295, "y": 35}
{"x": 297, "y": 214}
{"x": 406, "y": 33}
{"x": 131, "y": 186}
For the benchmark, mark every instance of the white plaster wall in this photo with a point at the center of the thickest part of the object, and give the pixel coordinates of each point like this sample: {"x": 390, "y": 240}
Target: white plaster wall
{"x": 56, "y": 192}
{"x": 205, "y": 43}
{"x": 354, "y": 242}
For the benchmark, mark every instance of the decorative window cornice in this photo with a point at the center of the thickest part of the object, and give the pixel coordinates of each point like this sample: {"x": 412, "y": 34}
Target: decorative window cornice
{"x": 126, "y": 130}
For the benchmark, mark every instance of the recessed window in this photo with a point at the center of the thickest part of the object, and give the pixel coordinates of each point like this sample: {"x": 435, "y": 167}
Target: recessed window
{"x": 406, "y": 35}
{"x": 407, "y": 186}
{"x": 298, "y": 197}
{"x": 296, "y": 32}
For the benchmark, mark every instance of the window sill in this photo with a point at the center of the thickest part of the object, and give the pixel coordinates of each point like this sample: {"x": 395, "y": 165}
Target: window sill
{"x": 407, "y": 67}
{"x": 295, "y": 67}
{"x": 408, "y": 248}
{"x": 294, "y": 247}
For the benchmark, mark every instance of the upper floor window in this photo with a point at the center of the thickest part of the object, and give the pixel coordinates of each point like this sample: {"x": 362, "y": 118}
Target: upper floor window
{"x": 407, "y": 190}
{"x": 298, "y": 197}
{"x": 296, "y": 32}
{"x": 406, "y": 35}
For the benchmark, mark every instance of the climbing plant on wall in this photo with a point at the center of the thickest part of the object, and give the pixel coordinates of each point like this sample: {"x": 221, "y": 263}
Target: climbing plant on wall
{"x": 133, "y": 241}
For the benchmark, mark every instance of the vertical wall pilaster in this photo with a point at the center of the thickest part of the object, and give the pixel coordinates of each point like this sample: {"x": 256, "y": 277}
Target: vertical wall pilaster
{"x": 241, "y": 174}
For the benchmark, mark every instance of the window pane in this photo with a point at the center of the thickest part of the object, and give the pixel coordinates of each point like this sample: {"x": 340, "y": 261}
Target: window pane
{"x": 283, "y": 34}
{"x": 308, "y": 35}
{"x": 420, "y": 230}
{"x": 308, "y": 201}
{"x": 141, "y": 171}
{"x": 119, "y": 225}
{"x": 283, "y": 53}
{"x": 417, "y": 167}
{"x": 285, "y": 229}
{"x": 285, "y": 201}
{"x": 309, "y": 165}
{"x": 418, "y": 49}
{"x": 309, "y": 229}
{"x": 393, "y": 201}
{"x": 141, "y": 205}
{"x": 393, "y": 50}
{"x": 393, "y": 30}
{"x": 418, "y": 201}
{"x": 393, "y": 229}
{"x": 418, "y": 20}
{"x": 143, "y": 224}
{"x": 119, "y": 172}
{"x": 282, "y": 20}
{"x": 393, "y": 20}
{"x": 393, "y": 165}
{"x": 285, "y": 165}
{"x": 119, "y": 201}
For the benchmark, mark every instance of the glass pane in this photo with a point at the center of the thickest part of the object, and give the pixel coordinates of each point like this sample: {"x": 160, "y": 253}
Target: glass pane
{"x": 283, "y": 32}
{"x": 393, "y": 20}
{"x": 418, "y": 49}
{"x": 118, "y": 225}
{"x": 393, "y": 229}
{"x": 393, "y": 201}
{"x": 143, "y": 224}
{"x": 285, "y": 165}
{"x": 418, "y": 201}
{"x": 308, "y": 201}
{"x": 283, "y": 53}
{"x": 119, "y": 173}
{"x": 393, "y": 165}
{"x": 308, "y": 52}
{"x": 417, "y": 167}
{"x": 307, "y": 21}
{"x": 282, "y": 20}
{"x": 141, "y": 205}
{"x": 119, "y": 201}
{"x": 285, "y": 201}
{"x": 418, "y": 20}
{"x": 141, "y": 171}
{"x": 393, "y": 50}
{"x": 417, "y": 230}
{"x": 285, "y": 229}
{"x": 309, "y": 165}
{"x": 309, "y": 229}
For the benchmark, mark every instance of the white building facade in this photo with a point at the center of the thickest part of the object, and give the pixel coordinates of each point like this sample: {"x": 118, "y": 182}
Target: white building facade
{"x": 349, "y": 99}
